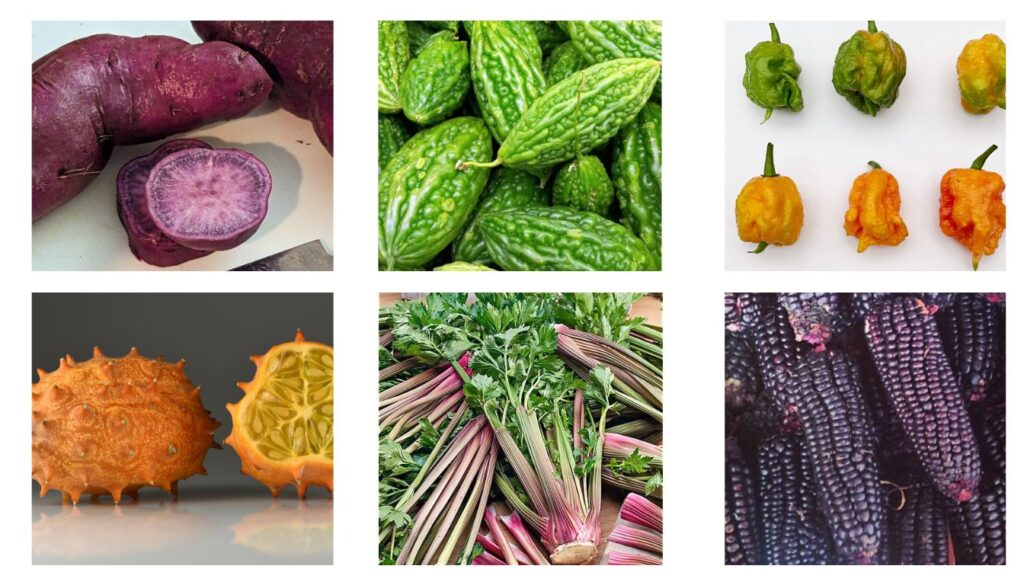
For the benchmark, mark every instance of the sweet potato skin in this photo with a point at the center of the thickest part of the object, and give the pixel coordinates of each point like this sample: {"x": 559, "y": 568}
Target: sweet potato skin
{"x": 299, "y": 55}
{"x": 106, "y": 90}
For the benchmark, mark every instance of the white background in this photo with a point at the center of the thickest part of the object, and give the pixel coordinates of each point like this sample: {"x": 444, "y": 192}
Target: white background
{"x": 693, "y": 283}
{"x": 827, "y": 144}
{"x": 86, "y": 234}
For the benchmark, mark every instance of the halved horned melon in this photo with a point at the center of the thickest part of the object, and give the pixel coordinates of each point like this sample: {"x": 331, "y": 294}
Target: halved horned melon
{"x": 283, "y": 428}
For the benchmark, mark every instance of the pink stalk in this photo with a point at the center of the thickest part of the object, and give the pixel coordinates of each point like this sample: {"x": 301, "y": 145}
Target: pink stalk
{"x": 625, "y": 558}
{"x": 636, "y": 538}
{"x": 522, "y": 535}
{"x": 639, "y": 510}
{"x": 404, "y": 386}
{"x": 490, "y": 545}
{"x": 491, "y": 518}
{"x": 621, "y": 446}
{"x": 577, "y": 419}
{"x": 486, "y": 558}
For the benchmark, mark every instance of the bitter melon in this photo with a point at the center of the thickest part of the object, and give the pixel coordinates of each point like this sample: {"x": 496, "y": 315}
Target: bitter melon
{"x": 437, "y": 80}
{"x": 507, "y": 70}
{"x": 578, "y": 114}
{"x": 507, "y": 189}
{"x": 463, "y": 267}
{"x": 392, "y": 133}
{"x": 423, "y": 200}
{"x": 583, "y": 184}
{"x": 604, "y": 40}
{"x": 563, "y": 61}
{"x": 559, "y": 238}
{"x": 392, "y": 59}
{"x": 636, "y": 174}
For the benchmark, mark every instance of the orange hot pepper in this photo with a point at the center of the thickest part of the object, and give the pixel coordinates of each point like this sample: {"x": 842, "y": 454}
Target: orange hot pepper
{"x": 874, "y": 214}
{"x": 971, "y": 208}
{"x": 769, "y": 210}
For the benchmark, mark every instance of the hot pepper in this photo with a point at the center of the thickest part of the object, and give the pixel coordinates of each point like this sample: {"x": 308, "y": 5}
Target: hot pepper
{"x": 981, "y": 71}
{"x": 769, "y": 209}
{"x": 874, "y": 214}
{"x": 869, "y": 69}
{"x": 971, "y": 208}
{"x": 770, "y": 78}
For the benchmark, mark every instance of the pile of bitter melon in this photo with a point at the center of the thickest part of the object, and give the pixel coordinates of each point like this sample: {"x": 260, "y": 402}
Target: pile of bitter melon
{"x": 520, "y": 145}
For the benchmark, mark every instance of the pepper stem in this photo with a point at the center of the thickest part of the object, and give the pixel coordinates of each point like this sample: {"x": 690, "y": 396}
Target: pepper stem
{"x": 874, "y": 165}
{"x": 871, "y": 27}
{"x": 769, "y": 162}
{"x": 775, "y": 32}
{"x": 980, "y": 161}
{"x": 760, "y": 248}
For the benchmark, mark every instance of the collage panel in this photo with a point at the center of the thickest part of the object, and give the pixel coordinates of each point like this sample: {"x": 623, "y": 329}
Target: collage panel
{"x": 865, "y": 146}
{"x": 519, "y": 145}
{"x": 520, "y": 429}
{"x": 140, "y": 458}
{"x": 203, "y": 145}
{"x": 865, "y": 428}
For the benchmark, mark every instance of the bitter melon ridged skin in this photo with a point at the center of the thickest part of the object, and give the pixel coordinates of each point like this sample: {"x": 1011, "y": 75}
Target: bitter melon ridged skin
{"x": 604, "y": 40}
{"x": 507, "y": 71}
{"x": 392, "y": 133}
{"x": 636, "y": 174}
{"x": 563, "y": 61}
{"x": 437, "y": 80}
{"x": 424, "y": 200}
{"x": 827, "y": 396}
{"x": 116, "y": 425}
{"x": 795, "y": 532}
{"x": 419, "y": 32}
{"x": 970, "y": 329}
{"x": 918, "y": 530}
{"x": 507, "y": 189}
{"x": 392, "y": 59}
{"x": 579, "y": 113}
{"x": 559, "y": 238}
{"x": 742, "y": 531}
{"x": 813, "y": 316}
{"x": 905, "y": 344}
{"x": 742, "y": 377}
{"x": 548, "y": 34}
{"x": 583, "y": 184}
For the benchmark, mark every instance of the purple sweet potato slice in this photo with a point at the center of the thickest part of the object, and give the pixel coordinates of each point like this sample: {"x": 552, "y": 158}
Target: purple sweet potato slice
{"x": 208, "y": 199}
{"x": 146, "y": 241}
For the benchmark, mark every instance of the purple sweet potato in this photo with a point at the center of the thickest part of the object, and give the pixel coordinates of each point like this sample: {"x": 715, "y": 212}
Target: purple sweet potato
{"x": 106, "y": 90}
{"x": 299, "y": 55}
{"x": 147, "y": 242}
{"x": 208, "y": 199}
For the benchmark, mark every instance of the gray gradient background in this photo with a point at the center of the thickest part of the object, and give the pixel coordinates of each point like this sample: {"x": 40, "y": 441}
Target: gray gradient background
{"x": 214, "y": 333}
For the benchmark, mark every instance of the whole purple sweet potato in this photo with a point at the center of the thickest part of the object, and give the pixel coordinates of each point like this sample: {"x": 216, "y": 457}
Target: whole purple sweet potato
{"x": 208, "y": 199}
{"x": 148, "y": 243}
{"x": 299, "y": 55}
{"x": 106, "y": 90}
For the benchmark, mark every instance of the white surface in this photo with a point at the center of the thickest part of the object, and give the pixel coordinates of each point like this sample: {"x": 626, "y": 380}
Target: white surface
{"x": 85, "y": 233}
{"x": 825, "y": 146}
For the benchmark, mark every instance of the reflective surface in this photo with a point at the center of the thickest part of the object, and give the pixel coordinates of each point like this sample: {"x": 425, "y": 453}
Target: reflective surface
{"x": 213, "y": 526}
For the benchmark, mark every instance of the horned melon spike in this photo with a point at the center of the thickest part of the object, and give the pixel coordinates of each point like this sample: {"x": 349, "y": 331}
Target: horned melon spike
{"x": 283, "y": 427}
{"x": 82, "y": 410}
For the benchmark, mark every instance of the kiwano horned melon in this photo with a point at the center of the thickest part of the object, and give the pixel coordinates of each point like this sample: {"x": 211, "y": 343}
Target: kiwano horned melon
{"x": 114, "y": 425}
{"x": 283, "y": 428}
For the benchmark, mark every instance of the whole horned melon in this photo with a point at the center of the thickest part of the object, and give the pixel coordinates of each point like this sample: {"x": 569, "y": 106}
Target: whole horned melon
{"x": 283, "y": 428}
{"x": 115, "y": 425}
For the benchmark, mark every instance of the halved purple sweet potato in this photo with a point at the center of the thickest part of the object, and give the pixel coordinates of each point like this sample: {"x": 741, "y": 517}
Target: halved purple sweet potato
{"x": 208, "y": 199}
{"x": 146, "y": 241}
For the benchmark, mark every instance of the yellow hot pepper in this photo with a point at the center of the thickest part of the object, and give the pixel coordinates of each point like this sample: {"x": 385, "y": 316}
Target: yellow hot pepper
{"x": 768, "y": 209}
{"x": 874, "y": 214}
{"x": 971, "y": 208}
{"x": 981, "y": 71}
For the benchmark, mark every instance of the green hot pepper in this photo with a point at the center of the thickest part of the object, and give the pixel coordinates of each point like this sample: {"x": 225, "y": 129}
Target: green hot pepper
{"x": 770, "y": 79}
{"x": 869, "y": 69}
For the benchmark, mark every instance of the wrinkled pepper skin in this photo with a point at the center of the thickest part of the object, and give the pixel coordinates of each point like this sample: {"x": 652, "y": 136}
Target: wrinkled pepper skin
{"x": 770, "y": 77}
{"x": 869, "y": 69}
{"x": 874, "y": 214}
{"x": 971, "y": 208}
{"x": 981, "y": 72}
{"x": 769, "y": 210}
